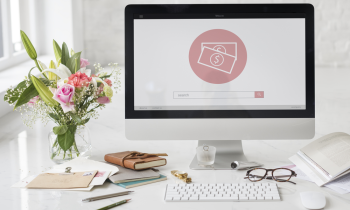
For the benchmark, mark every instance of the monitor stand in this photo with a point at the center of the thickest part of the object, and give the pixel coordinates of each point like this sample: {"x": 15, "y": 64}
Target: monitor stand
{"x": 227, "y": 151}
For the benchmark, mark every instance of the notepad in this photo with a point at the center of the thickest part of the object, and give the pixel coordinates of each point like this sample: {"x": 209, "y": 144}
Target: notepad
{"x": 128, "y": 175}
{"x": 62, "y": 181}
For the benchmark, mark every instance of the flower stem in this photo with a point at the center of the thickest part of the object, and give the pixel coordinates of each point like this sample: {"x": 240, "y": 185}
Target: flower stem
{"x": 55, "y": 144}
{"x": 76, "y": 148}
{"x": 38, "y": 66}
{"x": 70, "y": 155}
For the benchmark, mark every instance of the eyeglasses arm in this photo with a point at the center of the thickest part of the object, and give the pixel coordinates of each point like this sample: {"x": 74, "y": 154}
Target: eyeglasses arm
{"x": 270, "y": 178}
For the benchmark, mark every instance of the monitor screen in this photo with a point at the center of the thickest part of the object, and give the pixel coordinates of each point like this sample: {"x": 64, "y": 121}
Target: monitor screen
{"x": 219, "y": 64}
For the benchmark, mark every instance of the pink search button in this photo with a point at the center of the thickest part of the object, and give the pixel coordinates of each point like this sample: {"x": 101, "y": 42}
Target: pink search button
{"x": 259, "y": 94}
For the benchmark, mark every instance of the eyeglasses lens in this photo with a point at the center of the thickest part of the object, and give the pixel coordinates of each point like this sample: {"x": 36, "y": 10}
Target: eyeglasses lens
{"x": 257, "y": 174}
{"x": 282, "y": 175}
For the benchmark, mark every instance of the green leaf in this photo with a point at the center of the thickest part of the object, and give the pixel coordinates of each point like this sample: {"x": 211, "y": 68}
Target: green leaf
{"x": 26, "y": 95}
{"x": 66, "y": 140}
{"x": 65, "y": 54}
{"x": 22, "y": 84}
{"x": 54, "y": 116}
{"x": 14, "y": 95}
{"x": 57, "y": 50}
{"x": 72, "y": 128}
{"x": 44, "y": 92}
{"x": 28, "y": 46}
{"x": 76, "y": 118}
{"x": 83, "y": 122}
{"x": 106, "y": 76}
{"x": 59, "y": 130}
{"x": 73, "y": 61}
{"x": 45, "y": 81}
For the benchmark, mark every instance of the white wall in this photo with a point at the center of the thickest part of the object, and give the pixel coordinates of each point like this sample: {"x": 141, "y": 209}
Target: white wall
{"x": 104, "y": 28}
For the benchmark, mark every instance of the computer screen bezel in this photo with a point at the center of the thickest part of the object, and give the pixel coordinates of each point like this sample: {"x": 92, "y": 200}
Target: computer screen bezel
{"x": 219, "y": 11}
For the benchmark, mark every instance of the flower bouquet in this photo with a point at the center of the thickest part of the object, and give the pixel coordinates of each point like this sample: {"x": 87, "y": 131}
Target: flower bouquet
{"x": 65, "y": 92}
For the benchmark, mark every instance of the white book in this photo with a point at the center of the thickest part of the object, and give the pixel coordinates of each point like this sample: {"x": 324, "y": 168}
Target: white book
{"x": 326, "y": 158}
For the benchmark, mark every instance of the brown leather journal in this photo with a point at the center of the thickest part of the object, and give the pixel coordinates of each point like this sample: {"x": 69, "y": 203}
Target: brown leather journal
{"x": 136, "y": 160}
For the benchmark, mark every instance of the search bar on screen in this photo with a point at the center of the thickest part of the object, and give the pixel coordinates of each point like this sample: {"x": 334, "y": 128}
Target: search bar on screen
{"x": 217, "y": 94}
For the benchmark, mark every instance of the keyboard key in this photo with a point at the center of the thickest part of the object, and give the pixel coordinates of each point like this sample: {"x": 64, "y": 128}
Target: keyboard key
{"x": 276, "y": 197}
{"x": 252, "y": 197}
{"x": 176, "y": 198}
{"x": 268, "y": 197}
{"x": 193, "y": 199}
{"x": 172, "y": 193}
{"x": 243, "y": 198}
{"x": 185, "y": 198}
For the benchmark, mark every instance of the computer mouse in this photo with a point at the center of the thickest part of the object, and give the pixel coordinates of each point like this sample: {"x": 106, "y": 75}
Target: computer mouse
{"x": 313, "y": 200}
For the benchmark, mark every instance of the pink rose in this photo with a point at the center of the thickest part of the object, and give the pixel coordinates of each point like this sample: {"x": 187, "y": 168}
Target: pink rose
{"x": 64, "y": 96}
{"x": 103, "y": 100}
{"x": 79, "y": 80}
{"x": 84, "y": 62}
{"x": 109, "y": 82}
{"x": 32, "y": 101}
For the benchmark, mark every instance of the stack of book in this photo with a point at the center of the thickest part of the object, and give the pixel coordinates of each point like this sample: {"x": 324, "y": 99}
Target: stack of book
{"x": 136, "y": 172}
{"x": 326, "y": 159}
{"x": 128, "y": 178}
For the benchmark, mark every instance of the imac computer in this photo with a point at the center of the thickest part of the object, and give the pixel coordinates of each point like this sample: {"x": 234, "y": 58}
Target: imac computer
{"x": 219, "y": 74}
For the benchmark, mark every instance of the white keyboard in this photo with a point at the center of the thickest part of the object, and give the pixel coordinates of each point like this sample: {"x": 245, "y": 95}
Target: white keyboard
{"x": 258, "y": 191}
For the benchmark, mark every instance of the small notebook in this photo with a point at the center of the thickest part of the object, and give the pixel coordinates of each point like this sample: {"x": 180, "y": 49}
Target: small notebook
{"x": 128, "y": 175}
{"x": 62, "y": 181}
{"x": 128, "y": 185}
{"x": 135, "y": 164}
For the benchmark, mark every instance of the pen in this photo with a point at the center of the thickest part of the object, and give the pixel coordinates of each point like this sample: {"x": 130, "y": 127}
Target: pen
{"x": 114, "y": 204}
{"x": 106, "y": 196}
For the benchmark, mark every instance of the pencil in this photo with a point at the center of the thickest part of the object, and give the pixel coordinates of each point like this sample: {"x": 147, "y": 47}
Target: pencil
{"x": 115, "y": 204}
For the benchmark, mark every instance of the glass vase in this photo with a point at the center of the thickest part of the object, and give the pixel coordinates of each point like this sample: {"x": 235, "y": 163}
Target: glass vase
{"x": 81, "y": 146}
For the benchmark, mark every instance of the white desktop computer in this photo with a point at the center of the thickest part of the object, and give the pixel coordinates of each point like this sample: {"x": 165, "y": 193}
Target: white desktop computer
{"x": 219, "y": 74}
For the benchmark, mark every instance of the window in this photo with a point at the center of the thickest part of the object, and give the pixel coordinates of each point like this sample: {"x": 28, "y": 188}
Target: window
{"x": 15, "y": 27}
{"x": 1, "y": 41}
{"x": 12, "y": 20}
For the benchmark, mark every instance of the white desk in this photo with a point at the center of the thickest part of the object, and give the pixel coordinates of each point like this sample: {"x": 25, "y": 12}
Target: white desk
{"x": 24, "y": 151}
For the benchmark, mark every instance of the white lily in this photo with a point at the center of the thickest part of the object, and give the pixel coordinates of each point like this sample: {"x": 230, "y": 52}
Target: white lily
{"x": 62, "y": 71}
{"x": 97, "y": 79}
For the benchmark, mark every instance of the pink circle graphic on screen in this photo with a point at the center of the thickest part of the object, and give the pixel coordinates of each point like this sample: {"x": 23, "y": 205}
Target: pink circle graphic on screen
{"x": 218, "y": 56}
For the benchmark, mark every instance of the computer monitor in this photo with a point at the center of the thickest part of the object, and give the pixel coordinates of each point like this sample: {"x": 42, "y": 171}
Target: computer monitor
{"x": 218, "y": 73}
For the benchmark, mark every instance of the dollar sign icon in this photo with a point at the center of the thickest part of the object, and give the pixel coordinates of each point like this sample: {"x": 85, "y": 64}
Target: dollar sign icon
{"x": 220, "y": 48}
{"x": 216, "y": 59}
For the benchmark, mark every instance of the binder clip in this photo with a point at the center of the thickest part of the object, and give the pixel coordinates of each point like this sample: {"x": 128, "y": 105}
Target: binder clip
{"x": 67, "y": 171}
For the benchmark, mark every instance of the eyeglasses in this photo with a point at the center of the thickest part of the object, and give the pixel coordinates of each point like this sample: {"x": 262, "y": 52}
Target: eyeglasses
{"x": 278, "y": 174}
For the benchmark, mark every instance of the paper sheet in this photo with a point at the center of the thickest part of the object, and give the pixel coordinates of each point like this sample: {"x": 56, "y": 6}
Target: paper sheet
{"x": 336, "y": 185}
{"x": 342, "y": 182}
{"x": 83, "y": 164}
{"x": 78, "y": 165}
{"x": 59, "y": 181}
{"x": 100, "y": 178}
{"x": 23, "y": 183}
